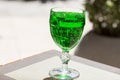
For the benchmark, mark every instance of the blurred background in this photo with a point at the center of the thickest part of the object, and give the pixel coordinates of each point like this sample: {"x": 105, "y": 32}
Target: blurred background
{"x": 24, "y": 29}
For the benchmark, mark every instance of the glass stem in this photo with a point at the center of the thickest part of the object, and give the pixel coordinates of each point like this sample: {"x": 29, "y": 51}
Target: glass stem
{"x": 65, "y": 58}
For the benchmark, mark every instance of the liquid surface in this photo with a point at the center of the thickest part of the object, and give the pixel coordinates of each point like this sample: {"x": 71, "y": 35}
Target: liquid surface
{"x": 66, "y": 28}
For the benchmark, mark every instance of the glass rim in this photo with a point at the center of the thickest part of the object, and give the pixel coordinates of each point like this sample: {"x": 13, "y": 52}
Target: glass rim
{"x": 68, "y": 9}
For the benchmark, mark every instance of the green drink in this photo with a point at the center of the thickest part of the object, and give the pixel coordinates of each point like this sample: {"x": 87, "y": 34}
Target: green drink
{"x": 66, "y": 28}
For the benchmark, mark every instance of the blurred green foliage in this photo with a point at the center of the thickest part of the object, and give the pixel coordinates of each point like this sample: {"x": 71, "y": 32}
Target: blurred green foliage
{"x": 105, "y": 16}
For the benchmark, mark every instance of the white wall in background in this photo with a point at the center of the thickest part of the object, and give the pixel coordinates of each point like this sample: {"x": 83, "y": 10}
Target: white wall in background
{"x": 24, "y": 28}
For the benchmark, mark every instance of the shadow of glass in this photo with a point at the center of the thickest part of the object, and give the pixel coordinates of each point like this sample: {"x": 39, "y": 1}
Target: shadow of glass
{"x": 50, "y": 78}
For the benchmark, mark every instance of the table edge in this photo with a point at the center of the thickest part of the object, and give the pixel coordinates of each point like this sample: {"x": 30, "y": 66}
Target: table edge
{"x": 52, "y": 53}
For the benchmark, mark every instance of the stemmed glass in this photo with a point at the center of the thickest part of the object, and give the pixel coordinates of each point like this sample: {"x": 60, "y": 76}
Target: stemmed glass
{"x": 66, "y": 27}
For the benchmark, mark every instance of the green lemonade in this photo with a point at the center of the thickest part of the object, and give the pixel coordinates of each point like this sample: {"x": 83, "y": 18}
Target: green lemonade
{"x": 66, "y": 28}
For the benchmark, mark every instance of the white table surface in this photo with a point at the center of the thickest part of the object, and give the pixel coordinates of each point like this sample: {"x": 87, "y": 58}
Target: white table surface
{"x": 37, "y": 68}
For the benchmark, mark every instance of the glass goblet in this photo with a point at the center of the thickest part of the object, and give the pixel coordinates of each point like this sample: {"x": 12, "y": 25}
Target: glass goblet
{"x": 66, "y": 28}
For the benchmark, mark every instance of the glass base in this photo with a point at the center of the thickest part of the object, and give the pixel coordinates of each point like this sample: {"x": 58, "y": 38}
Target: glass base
{"x": 59, "y": 74}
